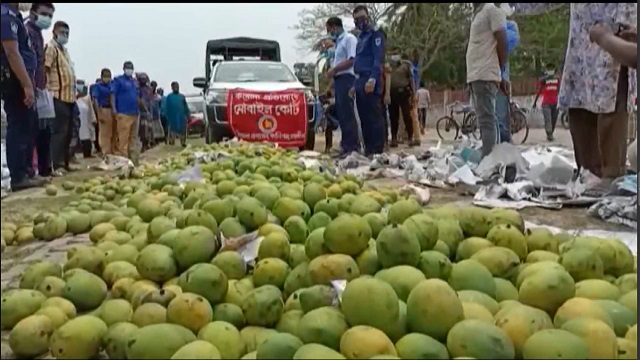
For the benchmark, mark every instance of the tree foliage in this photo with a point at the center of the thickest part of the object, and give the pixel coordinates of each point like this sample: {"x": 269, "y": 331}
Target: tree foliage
{"x": 435, "y": 36}
{"x": 311, "y": 22}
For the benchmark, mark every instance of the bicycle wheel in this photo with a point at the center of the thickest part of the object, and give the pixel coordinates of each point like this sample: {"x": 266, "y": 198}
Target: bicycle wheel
{"x": 447, "y": 126}
{"x": 520, "y": 126}
{"x": 471, "y": 126}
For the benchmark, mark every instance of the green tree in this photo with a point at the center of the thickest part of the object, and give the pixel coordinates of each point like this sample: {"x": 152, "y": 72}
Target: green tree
{"x": 543, "y": 41}
{"x": 311, "y": 22}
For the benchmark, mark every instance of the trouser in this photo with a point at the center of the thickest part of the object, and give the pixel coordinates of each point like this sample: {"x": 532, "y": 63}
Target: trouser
{"x": 414, "y": 119}
{"x": 632, "y": 155}
{"x": 126, "y": 127}
{"x": 39, "y": 150}
{"x": 550, "y": 114}
{"x": 96, "y": 142}
{"x": 483, "y": 94}
{"x": 371, "y": 118}
{"x": 504, "y": 118}
{"x": 20, "y": 124}
{"x": 43, "y": 151}
{"x": 400, "y": 103}
{"x": 165, "y": 126}
{"x": 108, "y": 135}
{"x": 385, "y": 123}
{"x": 61, "y": 131}
{"x": 87, "y": 148}
{"x": 345, "y": 113}
{"x": 600, "y": 141}
{"x": 422, "y": 117}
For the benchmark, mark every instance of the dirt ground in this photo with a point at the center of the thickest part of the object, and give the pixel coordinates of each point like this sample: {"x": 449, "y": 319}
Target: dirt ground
{"x": 26, "y": 204}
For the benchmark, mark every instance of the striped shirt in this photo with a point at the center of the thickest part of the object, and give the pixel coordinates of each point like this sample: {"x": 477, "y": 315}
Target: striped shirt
{"x": 59, "y": 71}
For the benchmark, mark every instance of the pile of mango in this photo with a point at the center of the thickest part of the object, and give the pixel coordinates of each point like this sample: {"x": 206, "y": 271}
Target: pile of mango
{"x": 265, "y": 259}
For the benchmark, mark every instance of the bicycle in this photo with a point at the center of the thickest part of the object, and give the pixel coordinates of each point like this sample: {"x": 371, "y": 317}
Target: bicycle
{"x": 519, "y": 122}
{"x": 448, "y": 123}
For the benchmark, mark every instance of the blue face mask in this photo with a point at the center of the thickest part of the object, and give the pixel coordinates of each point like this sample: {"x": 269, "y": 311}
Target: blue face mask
{"x": 43, "y": 22}
{"x": 62, "y": 39}
{"x": 361, "y": 24}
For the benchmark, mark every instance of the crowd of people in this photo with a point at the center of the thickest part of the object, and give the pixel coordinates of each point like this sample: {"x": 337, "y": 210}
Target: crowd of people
{"x": 390, "y": 98}
{"x": 52, "y": 115}
{"x": 595, "y": 84}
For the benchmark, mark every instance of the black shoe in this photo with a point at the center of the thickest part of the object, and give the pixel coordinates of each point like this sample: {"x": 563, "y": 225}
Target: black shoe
{"x": 550, "y": 137}
{"x": 393, "y": 144}
{"x": 27, "y": 184}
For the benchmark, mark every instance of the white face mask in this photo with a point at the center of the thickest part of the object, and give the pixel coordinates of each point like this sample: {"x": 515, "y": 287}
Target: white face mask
{"x": 24, "y": 7}
{"x": 128, "y": 72}
{"x": 395, "y": 58}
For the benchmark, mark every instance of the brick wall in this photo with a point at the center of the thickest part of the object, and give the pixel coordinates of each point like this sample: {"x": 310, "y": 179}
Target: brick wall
{"x": 519, "y": 87}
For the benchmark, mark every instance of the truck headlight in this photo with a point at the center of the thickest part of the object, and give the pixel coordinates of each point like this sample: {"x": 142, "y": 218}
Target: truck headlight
{"x": 217, "y": 97}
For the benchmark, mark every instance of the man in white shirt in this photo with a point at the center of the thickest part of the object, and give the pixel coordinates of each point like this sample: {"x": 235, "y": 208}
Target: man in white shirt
{"x": 424, "y": 100}
{"x": 343, "y": 76}
{"x": 486, "y": 55}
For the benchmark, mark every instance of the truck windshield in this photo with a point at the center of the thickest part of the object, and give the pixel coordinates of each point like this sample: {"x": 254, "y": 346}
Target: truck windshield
{"x": 253, "y": 72}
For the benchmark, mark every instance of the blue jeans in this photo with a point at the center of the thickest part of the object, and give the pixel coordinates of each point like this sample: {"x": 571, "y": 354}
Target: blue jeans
{"x": 483, "y": 95}
{"x": 502, "y": 111}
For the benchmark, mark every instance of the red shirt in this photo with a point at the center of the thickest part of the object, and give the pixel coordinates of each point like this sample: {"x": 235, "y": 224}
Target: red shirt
{"x": 549, "y": 91}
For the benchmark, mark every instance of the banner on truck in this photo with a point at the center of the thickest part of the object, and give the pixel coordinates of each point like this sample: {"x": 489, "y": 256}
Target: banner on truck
{"x": 278, "y": 117}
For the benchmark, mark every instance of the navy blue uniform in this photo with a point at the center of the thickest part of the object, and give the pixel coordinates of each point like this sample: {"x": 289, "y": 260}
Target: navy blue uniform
{"x": 368, "y": 66}
{"x": 21, "y": 120}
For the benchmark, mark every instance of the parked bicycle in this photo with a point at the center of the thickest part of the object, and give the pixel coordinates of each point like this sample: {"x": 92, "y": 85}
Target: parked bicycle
{"x": 449, "y": 125}
{"x": 449, "y": 128}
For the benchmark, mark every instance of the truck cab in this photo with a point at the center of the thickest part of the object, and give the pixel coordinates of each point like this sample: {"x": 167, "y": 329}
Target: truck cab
{"x": 247, "y": 63}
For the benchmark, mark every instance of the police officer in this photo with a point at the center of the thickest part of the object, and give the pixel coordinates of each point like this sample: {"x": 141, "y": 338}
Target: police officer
{"x": 368, "y": 85}
{"x": 341, "y": 72}
{"x": 18, "y": 63}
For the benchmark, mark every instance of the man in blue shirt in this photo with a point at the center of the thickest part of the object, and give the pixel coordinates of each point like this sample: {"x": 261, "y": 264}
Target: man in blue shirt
{"x": 40, "y": 18}
{"x": 368, "y": 89}
{"x": 126, "y": 100}
{"x": 18, "y": 65}
{"x": 503, "y": 99}
{"x": 343, "y": 80}
{"x": 101, "y": 95}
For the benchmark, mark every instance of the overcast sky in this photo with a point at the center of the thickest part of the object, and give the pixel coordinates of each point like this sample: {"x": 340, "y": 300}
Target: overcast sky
{"x": 167, "y": 41}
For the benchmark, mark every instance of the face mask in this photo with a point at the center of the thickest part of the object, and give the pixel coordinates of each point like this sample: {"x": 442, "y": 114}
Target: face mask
{"x": 128, "y": 72}
{"x": 361, "y": 24}
{"x": 395, "y": 58}
{"x": 62, "y": 39}
{"x": 43, "y": 22}
{"x": 24, "y": 7}
{"x": 80, "y": 88}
